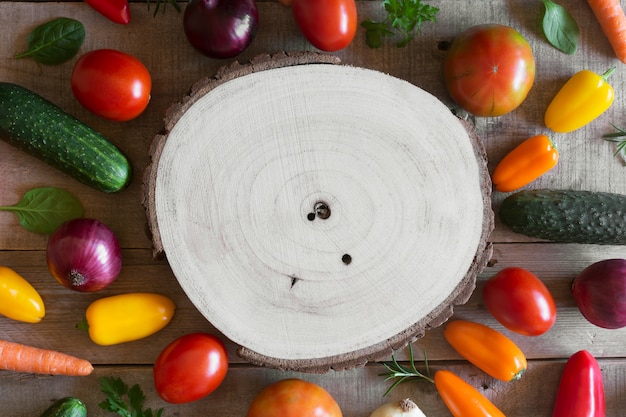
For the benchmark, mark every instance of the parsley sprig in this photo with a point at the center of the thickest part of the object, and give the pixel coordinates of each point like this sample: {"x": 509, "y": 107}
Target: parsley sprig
{"x": 404, "y": 18}
{"x": 116, "y": 391}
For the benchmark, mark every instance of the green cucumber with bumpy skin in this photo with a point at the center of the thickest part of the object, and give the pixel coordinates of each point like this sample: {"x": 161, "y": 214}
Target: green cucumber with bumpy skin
{"x": 45, "y": 131}
{"x": 66, "y": 407}
{"x": 567, "y": 216}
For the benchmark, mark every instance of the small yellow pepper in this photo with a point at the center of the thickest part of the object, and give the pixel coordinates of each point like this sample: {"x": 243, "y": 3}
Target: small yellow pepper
{"x": 528, "y": 161}
{"x": 18, "y": 299}
{"x": 127, "y": 317}
{"x": 581, "y": 100}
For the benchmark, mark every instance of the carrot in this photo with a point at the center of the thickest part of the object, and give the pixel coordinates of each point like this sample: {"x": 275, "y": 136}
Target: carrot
{"x": 23, "y": 358}
{"x": 612, "y": 19}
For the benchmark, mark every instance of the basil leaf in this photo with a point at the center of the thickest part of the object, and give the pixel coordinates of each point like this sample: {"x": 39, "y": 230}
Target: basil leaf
{"x": 55, "y": 42}
{"x": 560, "y": 28}
{"x": 42, "y": 210}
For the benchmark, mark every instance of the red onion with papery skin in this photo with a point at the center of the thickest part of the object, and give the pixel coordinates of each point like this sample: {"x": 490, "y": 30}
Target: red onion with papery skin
{"x": 84, "y": 255}
{"x": 600, "y": 293}
{"x": 221, "y": 28}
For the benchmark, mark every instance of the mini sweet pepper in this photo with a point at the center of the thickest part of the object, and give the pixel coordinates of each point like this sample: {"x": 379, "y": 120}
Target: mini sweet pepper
{"x": 19, "y": 300}
{"x": 584, "y": 97}
{"x": 528, "y": 161}
{"x": 127, "y": 317}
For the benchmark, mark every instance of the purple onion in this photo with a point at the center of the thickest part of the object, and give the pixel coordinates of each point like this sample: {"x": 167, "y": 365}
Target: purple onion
{"x": 84, "y": 255}
{"x": 600, "y": 293}
{"x": 221, "y": 28}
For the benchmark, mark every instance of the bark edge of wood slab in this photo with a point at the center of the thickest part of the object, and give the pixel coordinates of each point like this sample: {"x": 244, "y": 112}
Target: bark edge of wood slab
{"x": 281, "y": 283}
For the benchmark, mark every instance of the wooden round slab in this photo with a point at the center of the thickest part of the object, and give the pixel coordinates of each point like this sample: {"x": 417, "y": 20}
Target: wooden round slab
{"x": 318, "y": 215}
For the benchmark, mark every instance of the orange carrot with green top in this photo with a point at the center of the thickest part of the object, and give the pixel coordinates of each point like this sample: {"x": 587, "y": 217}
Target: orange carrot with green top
{"x": 23, "y": 358}
{"x": 612, "y": 19}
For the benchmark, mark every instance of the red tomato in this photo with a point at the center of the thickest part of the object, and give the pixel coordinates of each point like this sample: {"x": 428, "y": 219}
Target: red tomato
{"x": 294, "y": 398}
{"x": 191, "y": 367}
{"x": 329, "y": 25}
{"x": 489, "y": 70}
{"x": 520, "y": 301}
{"x": 111, "y": 84}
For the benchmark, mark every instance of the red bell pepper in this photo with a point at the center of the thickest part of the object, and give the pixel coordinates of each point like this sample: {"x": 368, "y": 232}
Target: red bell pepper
{"x": 581, "y": 390}
{"x": 114, "y": 10}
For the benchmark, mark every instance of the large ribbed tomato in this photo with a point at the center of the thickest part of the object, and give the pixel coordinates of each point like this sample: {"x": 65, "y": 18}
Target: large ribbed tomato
{"x": 294, "y": 398}
{"x": 489, "y": 69}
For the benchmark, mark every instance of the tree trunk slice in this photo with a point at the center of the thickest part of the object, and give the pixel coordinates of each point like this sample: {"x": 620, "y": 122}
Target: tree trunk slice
{"x": 320, "y": 216}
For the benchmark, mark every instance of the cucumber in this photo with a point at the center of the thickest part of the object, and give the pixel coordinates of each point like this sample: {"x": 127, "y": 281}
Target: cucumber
{"x": 567, "y": 216}
{"x": 66, "y": 407}
{"x": 42, "y": 129}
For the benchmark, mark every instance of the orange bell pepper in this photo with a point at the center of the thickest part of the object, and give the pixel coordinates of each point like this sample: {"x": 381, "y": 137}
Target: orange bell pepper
{"x": 486, "y": 348}
{"x": 583, "y": 98}
{"x": 461, "y": 398}
{"x": 528, "y": 161}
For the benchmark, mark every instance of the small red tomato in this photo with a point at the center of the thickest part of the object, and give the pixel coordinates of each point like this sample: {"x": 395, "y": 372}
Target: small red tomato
{"x": 190, "y": 368}
{"x": 489, "y": 70}
{"x": 111, "y": 84}
{"x": 329, "y": 25}
{"x": 294, "y": 398}
{"x": 520, "y": 301}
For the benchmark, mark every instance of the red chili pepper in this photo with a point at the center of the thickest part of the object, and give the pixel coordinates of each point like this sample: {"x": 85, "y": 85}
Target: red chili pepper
{"x": 581, "y": 390}
{"x": 114, "y": 10}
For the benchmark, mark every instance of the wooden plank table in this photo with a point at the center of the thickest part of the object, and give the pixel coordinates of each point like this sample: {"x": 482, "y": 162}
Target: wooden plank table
{"x": 587, "y": 163}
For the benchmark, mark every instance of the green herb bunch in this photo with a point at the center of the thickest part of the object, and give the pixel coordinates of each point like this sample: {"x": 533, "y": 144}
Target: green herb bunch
{"x": 116, "y": 390}
{"x": 404, "y": 18}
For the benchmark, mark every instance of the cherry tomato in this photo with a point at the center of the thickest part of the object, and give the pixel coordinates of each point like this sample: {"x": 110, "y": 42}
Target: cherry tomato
{"x": 190, "y": 368}
{"x": 294, "y": 398}
{"x": 489, "y": 70}
{"x": 329, "y": 25}
{"x": 520, "y": 301}
{"x": 111, "y": 84}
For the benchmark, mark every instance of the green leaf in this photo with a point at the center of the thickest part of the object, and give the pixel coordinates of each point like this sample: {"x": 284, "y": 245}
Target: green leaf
{"x": 42, "y": 210}
{"x": 55, "y": 42}
{"x": 560, "y": 28}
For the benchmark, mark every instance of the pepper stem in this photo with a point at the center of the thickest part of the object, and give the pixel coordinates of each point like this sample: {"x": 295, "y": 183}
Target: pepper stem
{"x": 608, "y": 73}
{"x": 83, "y": 325}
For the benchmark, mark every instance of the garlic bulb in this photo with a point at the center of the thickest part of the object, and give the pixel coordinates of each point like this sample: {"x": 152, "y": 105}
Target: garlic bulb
{"x": 403, "y": 408}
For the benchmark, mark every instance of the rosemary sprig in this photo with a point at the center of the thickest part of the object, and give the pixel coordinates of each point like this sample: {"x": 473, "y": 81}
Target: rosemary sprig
{"x": 174, "y": 3}
{"x": 402, "y": 374}
{"x": 619, "y": 138}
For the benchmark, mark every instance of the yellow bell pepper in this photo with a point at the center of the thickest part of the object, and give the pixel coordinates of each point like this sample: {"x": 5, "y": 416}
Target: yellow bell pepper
{"x": 127, "y": 317}
{"x": 584, "y": 97}
{"x": 18, "y": 299}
